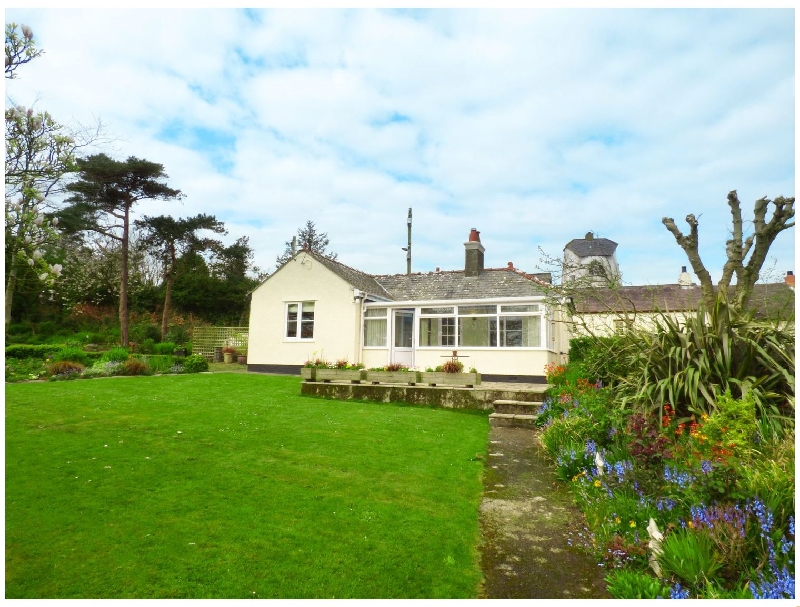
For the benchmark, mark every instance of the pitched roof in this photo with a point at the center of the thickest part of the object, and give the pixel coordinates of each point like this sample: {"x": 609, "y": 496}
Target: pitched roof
{"x": 767, "y": 299}
{"x": 356, "y": 278}
{"x": 588, "y": 248}
{"x": 490, "y": 283}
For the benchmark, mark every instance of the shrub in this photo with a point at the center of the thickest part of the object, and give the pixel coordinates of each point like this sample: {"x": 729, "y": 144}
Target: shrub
{"x": 46, "y": 329}
{"x": 691, "y": 365}
{"x": 690, "y": 556}
{"x": 31, "y": 351}
{"x": 160, "y": 364}
{"x": 396, "y": 367}
{"x": 147, "y": 346}
{"x": 177, "y": 334}
{"x": 453, "y": 366}
{"x": 166, "y": 348}
{"x": 64, "y": 369}
{"x": 624, "y": 584}
{"x": 117, "y": 354}
{"x": 195, "y": 364}
{"x": 133, "y": 366}
{"x": 142, "y": 332}
{"x": 73, "y": 354}
{"x": 19, "y": 329}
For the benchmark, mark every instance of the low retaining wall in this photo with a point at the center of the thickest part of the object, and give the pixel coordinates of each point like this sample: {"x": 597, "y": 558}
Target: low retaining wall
{"x": 444, "y": 396}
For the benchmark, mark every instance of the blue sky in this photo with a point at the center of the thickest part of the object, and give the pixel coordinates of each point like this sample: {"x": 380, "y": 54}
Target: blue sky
{"x": 534, "y": 126}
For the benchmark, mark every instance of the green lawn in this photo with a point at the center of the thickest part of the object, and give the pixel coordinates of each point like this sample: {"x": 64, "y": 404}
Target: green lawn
{"x": 233, "y": 486}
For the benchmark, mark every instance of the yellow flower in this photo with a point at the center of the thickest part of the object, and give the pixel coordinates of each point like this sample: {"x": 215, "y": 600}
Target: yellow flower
{"x": 690, "y": 525}
{"x": 633, "y": 524}
{"x": 597, "y": 483}
{"x": 617, "y": 520}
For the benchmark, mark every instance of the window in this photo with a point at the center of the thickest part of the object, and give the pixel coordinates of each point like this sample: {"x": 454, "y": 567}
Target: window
{"x": 482, "y": 326}
{"x": 375, "y": 327}
{"x": 300, "y": 320}
{"x": 437, "y": 327}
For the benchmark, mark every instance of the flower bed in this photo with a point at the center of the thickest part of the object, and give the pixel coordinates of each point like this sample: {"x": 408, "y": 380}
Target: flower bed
{"x": 319, "y": 370}
{"x": 675, "y": 507}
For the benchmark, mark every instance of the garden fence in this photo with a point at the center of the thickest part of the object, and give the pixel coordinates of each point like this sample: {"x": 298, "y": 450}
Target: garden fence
{"x": 206, "y": 339}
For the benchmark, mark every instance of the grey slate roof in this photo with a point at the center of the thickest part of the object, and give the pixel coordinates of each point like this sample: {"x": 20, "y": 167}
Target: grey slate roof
{"x": 588, "y": 248}
{"x": 767, "y": 300}
{"x": 490, "y": 283}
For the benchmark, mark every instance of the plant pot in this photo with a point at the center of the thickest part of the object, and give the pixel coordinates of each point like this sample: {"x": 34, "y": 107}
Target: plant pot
{"x": 392, "y": 377}
{"x": 227, "y": 357}
{"x": 242, "y": 359}
{"x": 470, "y": 380}
{"x": 327, "y": 375}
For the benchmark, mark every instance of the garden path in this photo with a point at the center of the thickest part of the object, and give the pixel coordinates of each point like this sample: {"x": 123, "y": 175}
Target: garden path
{"x": 526, "y": 515}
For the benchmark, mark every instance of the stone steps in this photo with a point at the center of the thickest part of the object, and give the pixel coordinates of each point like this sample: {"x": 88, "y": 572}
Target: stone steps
{"x": 514, "y": 413}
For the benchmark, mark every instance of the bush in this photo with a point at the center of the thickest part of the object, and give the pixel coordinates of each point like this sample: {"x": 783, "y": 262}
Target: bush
{"x": 161, "y": 364}
{"x": 141, "y": 332}
{"x": 625, "y": 584}
{"x": 166, "y": 348}
{"x": 117, "y": 354}
{"x": 19, "y": 329}
{"x": 195, "y": 364}
{"x": 65, "y": 369}
{"x": 46, "y": 329}
{"x": 452, "y": 366}
{"x": 690, "y": 556}
{"x": 147, "y": 346}
{"x": 133, "y": 366}
{"x": 178, "y": 334}
{"x": 73, "y": 354}
{"x": 31, "y": 351}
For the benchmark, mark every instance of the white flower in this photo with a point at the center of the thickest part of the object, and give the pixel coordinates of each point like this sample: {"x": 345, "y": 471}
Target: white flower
{"x": 43, "y": 276}
{"x": 30, "y": 262}
{"x": 37, "y": 255}
{"x": 38, "y": 221}
{"x": 55, "y": 221}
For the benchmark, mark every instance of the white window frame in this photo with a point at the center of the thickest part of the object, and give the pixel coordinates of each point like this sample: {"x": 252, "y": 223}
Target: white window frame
{"x": 299, "y": 321}
{"x": 439, "y": 316}
{"x": 385, "y": 319}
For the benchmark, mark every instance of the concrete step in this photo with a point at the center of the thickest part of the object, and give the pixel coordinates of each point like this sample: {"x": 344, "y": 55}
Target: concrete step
{"x": 517, "y": 407}
{"x": 513, "y": 420}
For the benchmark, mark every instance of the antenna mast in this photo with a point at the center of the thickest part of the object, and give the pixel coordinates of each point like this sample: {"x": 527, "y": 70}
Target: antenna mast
{"x": 408, "y": 249}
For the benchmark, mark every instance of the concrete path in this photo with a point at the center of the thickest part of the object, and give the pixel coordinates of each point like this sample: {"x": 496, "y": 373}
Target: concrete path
{"x": 526, "y": 515}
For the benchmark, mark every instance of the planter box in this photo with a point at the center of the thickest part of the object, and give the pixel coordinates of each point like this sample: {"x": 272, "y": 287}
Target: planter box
{"x": 308, "y": 374}
{"x": 338, "y": 375}
{"x": 392, "y": 377}
{"x": 470, "y": 380}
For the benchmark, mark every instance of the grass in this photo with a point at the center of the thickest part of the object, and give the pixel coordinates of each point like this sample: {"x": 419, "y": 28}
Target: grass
{"x": 233, "y": 486}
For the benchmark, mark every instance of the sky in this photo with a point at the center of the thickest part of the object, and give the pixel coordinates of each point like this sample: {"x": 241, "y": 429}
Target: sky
{"x": 534, "y": 126}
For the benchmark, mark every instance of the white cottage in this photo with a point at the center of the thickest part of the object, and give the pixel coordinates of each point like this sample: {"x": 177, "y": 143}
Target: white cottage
{"x": 494, "y": 318}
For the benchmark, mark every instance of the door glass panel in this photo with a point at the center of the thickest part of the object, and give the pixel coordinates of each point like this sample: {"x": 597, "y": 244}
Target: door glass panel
{"x": 403, "y": 327}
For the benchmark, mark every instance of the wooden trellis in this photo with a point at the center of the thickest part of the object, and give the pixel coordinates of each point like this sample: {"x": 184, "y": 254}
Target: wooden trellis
{"x": 206, "y": 339}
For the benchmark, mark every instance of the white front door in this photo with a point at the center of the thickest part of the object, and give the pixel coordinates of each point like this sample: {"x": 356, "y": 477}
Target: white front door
{"x": 403, "y": 337}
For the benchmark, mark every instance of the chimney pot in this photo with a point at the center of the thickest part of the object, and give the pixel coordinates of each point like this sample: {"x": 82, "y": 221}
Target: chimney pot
{"x": 589, "y": 236}
{"x": 789, "y": 273}
{"x": 437, "y": 269}
{"x": 683, "y": 268}
{"x": 510, "y": 265}
{"x": 474, "y": 236}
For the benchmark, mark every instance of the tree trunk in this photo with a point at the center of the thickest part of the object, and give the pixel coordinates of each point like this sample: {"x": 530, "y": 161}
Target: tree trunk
{"x": 123, "y": 287}
{"x": 167, "y": 305}
{"x": 10, "y": 286}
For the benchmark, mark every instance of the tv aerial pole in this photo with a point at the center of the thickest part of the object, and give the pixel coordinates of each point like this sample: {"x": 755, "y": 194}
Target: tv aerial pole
{"x": 408, "y": 248}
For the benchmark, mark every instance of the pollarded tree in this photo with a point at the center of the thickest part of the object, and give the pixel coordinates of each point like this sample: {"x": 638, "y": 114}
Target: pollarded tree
{"x": 307, "y": 239}
{"x": 167, "y": 237}
{"x": 737, "y": 248}
{"x": 102, "y": 201}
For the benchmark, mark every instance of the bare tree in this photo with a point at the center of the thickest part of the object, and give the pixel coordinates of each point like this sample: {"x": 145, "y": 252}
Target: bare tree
{"x": 737, "y": 248}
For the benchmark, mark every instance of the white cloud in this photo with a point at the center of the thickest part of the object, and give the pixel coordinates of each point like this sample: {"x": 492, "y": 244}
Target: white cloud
{"x": 534, "y": 126}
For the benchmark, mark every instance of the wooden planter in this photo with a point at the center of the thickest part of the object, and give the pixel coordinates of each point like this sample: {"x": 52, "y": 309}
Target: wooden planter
{"x": 470, "y": 380}
{"x": 392, "y": 377}
{"x": 327, "y": 375}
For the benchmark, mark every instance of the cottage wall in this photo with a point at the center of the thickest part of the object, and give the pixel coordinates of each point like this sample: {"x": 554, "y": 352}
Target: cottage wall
{"x": 337, "y": 316}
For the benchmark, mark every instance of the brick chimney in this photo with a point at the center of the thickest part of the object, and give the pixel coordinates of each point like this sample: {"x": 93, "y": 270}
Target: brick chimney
{"x": 789, "y": 280}
{"x": 473, "y": 254}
